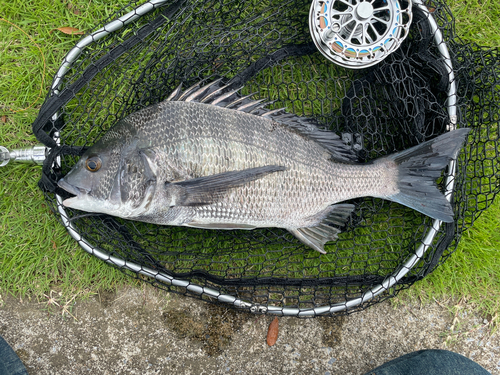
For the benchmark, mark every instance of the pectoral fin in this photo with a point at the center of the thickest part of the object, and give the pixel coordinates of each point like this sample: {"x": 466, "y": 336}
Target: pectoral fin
{"x": 318, "y": 235}
{"x": 210, "y": 189}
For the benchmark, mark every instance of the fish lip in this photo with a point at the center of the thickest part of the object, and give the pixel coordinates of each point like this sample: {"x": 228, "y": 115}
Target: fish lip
{"x": 75, "y": 190}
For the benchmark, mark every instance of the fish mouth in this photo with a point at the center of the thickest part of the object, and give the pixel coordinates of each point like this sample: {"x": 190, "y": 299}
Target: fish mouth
{"x": 72, "y": 189}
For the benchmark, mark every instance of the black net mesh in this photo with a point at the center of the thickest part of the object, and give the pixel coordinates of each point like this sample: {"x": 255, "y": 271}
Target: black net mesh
{"x": 266, "y": 46}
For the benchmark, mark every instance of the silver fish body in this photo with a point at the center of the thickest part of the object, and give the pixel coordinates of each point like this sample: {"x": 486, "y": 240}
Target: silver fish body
{"x": 217, "y": 161}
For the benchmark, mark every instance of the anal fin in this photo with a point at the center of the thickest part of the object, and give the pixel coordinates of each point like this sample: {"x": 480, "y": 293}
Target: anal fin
{"x": 317, "y": 236}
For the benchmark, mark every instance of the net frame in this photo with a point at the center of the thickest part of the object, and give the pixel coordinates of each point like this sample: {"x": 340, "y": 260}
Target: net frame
{"x": 389, "y": 282}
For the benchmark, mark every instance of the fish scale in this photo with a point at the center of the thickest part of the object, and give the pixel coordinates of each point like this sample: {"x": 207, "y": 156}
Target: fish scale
{"x": 208, "y": 158}
{"x": 305, "y": 162}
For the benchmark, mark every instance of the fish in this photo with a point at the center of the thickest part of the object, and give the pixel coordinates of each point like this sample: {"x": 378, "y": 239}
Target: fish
{"x": 209, "y": 157}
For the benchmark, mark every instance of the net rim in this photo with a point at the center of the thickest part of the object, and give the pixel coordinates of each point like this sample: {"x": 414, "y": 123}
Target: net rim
{"x": 388, "y": 283}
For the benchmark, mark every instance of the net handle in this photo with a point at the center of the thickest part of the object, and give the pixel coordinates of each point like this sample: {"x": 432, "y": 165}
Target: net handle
{"x": 388, "y": 283}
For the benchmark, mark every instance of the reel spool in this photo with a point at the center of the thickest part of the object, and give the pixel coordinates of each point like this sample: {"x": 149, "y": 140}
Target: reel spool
{"x": 359, "y": 33}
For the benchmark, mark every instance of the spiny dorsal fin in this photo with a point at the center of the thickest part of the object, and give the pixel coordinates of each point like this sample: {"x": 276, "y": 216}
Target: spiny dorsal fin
{"x": 199, "y": 92}
{"x": 216, "y": 93}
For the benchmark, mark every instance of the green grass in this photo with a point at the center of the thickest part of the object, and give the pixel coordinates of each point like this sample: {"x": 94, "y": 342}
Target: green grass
{"x": 477, "y": 21}
{"x": 472, "y": 272}
{"x": 37, "y": 254}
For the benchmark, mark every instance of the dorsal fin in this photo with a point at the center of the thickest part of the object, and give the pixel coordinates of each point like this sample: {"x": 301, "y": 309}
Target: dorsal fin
{"x": 216, "y": 93}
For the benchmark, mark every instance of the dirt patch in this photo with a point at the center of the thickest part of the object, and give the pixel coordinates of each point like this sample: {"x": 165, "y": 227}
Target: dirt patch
{"x": 332, "y": 330}
{"x": 23, "y": 355}
{"x": 213, "y": 329}
{"x": 106, "y": 297}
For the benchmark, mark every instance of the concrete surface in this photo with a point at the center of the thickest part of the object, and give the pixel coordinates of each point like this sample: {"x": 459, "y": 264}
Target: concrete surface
{"x": 145, "y": 331}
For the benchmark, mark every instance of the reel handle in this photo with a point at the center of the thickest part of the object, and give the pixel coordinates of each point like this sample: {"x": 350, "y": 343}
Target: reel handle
{"x": 32, "y": 155}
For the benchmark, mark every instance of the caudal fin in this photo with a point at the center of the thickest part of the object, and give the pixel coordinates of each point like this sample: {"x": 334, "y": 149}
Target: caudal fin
{"x": 418, "y": 169}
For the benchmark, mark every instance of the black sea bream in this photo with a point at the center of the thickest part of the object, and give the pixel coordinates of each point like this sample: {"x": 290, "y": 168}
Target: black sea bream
{"x": 208, "y": 158}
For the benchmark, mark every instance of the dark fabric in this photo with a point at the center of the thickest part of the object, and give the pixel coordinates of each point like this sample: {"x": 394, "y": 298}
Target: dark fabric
{"x": 430, "y": 362}
{"x": 10, "y": 364}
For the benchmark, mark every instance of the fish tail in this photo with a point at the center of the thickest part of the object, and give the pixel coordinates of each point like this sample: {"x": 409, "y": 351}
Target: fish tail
{"x": 418, "y": 169}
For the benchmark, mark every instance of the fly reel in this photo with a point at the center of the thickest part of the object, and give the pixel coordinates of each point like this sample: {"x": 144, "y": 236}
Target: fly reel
{"x": 359, "y": 33}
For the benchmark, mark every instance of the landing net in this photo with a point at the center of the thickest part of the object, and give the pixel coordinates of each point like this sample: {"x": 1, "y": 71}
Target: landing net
{"x": 430, "y": 84}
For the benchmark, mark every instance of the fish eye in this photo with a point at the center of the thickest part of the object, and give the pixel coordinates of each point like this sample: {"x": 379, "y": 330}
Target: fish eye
{"x": 93, "y": 163}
